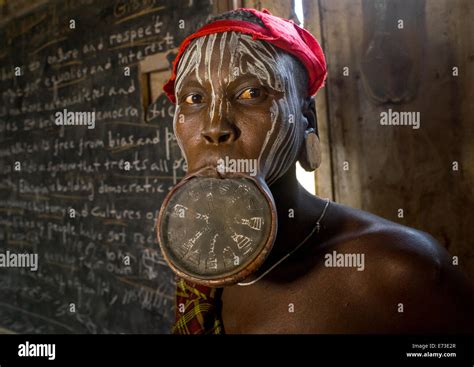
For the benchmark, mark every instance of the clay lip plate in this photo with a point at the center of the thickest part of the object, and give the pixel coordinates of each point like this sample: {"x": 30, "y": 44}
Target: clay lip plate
{"x": 217, "y": 231}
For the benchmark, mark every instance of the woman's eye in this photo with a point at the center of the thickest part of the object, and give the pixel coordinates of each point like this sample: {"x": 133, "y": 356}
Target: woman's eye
{"x": 250, "y": 93}
{"x": 193, "y": 99}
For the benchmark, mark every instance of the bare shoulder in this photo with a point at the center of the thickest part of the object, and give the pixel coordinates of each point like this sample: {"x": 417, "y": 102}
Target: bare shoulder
{"x": 405, "y": 248}
{"x": 406, "y": 277}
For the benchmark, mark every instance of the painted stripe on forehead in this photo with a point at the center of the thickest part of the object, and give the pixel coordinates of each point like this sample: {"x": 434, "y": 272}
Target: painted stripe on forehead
{"x": 264, "y": 70}
{"x": 263, "y": 47}
{"x": 265, "y": 61}
{"x": 222, "y": 45}
{"x": 255, "y": 49}
{"x": 199, "y": 47}
{"x": 211, "y": 39}
{"x": 233, "y": 47}
{"x": 193, "y": 56}
{"x": 262, "y": 56}
{"x": 185, "y": 66}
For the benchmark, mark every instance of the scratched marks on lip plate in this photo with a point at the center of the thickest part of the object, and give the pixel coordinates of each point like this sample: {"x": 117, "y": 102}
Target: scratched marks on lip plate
{"x": 212, "y": 227}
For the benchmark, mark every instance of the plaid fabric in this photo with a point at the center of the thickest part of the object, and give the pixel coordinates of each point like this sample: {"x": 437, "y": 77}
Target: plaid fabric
{"x": 198, "y": 309}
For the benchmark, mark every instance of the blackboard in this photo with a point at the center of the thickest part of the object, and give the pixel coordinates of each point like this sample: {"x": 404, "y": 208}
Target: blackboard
{"x": 85, "y": 199}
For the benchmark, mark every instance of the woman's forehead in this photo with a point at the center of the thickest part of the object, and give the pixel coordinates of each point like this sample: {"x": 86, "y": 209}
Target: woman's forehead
{"x": 229, "y": 55}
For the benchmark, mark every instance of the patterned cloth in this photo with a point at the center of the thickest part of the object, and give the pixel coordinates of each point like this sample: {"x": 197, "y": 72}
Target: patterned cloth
{"x": 198, "y": 309}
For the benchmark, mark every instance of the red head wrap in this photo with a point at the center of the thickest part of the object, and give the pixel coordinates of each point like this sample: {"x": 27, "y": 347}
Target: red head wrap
{"x": 282, "y": 33}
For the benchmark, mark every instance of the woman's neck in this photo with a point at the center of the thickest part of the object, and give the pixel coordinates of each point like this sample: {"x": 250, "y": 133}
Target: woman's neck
{"x": 297, "y": 212}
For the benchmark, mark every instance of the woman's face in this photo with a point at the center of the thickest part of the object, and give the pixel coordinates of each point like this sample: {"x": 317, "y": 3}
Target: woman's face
{"x": 237, "y": 98}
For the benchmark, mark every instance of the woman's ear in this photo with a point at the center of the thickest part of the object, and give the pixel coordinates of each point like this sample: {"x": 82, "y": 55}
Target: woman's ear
{"x": 310, "y": 153}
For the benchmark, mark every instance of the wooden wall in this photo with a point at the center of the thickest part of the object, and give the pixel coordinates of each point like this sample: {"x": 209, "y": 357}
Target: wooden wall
{"x": 404, "y": 69}
{"x": 404, "y": 174}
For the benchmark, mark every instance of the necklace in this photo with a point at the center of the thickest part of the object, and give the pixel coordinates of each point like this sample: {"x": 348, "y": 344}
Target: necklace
{"x": 316, "y": 228}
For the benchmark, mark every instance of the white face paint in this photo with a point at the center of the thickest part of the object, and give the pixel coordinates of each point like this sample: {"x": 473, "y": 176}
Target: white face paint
{"x": 238, "y": 54}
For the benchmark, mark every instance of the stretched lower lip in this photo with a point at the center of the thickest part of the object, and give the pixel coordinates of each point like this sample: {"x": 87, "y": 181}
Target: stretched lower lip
{"x": 211, "y": 171}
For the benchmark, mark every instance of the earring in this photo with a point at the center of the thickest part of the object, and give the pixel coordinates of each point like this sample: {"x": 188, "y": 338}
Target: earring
{"x": 311, "y": 159}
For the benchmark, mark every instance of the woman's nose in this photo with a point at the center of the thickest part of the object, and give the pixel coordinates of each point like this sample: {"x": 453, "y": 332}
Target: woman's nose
{"x": 218, "y": 134}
